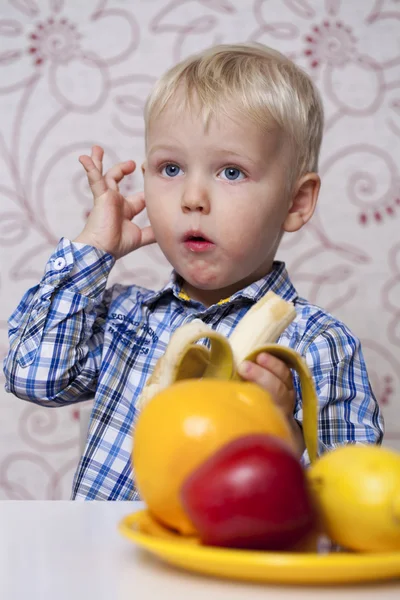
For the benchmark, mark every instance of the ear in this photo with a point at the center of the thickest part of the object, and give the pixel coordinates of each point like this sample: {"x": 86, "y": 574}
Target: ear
{"x": 303, "y": 202}
{"x": 144, "y": 167}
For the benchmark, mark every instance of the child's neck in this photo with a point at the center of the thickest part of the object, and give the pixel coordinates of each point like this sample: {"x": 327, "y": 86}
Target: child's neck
{"x": 210, "y": 297}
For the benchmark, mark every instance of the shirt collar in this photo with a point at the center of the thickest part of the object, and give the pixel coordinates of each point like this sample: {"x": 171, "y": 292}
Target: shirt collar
{"x": 173, "y": 286}
{"x": 277, "y": 280}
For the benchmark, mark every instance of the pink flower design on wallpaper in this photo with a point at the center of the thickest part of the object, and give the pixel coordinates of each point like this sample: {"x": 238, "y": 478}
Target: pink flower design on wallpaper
{"x": 332, "y": 43}
{"x": 55, "y": 40}
{"x": 372, "y": 186}
{"x": 331, "y": 51}
{"x": 320, "y": 36}
{"x": 65, "y": 48}
{"x": 388, "y": 208}
{"x": 49, "y": 51}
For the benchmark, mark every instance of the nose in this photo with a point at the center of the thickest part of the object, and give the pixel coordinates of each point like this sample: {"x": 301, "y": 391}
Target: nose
{"x": 195, "y": 197}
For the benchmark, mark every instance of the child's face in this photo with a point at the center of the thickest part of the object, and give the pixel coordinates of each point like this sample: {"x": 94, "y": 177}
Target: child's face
{"x": 227, "y": 183}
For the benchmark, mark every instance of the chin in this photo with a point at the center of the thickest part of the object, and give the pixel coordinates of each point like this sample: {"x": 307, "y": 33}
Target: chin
{"x": 205, "y": 278}
{"x": 203, "y": 284}
{"x": 208, "y": 283}
{"x": 202, "y": 281}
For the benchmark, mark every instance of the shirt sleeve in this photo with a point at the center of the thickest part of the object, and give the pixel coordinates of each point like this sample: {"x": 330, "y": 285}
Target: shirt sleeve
{"x": 348, "y": 410}
{"x": 56, "y": 333}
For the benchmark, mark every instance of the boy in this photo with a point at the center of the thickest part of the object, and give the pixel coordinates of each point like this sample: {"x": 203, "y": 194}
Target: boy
{"x": 232, "y": 144}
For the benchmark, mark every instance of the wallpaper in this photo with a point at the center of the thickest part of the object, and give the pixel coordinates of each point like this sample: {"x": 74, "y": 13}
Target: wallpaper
{"x": 74, "y": 73}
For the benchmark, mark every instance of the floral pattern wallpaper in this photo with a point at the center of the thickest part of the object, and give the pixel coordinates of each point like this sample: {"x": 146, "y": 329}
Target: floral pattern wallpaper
{"x": 74, "y": 74}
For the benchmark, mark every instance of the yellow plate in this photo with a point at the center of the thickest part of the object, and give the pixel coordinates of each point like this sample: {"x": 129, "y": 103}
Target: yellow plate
{"x": 306, "y": 568}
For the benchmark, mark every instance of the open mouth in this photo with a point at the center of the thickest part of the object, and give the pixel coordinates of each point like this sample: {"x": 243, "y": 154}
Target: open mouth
{"x": 196, "y": 238}
{"x": 196, "y": 241}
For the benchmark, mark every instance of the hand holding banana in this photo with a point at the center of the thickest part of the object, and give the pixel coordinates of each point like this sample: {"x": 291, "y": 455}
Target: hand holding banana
{"x": 275, "y": 377}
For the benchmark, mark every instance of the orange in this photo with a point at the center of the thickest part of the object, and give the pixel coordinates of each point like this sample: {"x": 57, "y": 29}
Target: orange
{"x": 183, "y": 425}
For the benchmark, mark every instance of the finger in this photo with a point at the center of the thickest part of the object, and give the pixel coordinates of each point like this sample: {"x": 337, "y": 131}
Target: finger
{"x": 136, "y": 204}
{"x": 282, "y": 397}
{"x": 118, "y": 172}
{"x": 97, "y": 157}
{"x": 148, "y": 236}
{"x": 95, "y": 178}
{"x": 277, "y": 367}
{"x": 267, "y": 380}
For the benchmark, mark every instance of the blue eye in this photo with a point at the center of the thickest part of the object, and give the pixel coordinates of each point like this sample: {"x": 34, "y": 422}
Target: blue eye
{"x": 232, "y": 174}
{"x": 171, "y": 170}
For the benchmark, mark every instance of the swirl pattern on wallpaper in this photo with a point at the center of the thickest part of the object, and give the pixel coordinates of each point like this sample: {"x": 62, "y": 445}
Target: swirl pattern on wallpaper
{"x": 75, "y": 74}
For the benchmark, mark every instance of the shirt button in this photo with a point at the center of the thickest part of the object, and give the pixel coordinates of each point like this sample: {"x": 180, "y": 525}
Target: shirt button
{"x": 59, "y": 263}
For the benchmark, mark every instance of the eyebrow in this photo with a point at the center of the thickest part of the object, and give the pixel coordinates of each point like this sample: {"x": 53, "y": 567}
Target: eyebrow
{"x": 224, "y": 151}
{"x": 234, "y": 153}
{"x": 168, "y": 147}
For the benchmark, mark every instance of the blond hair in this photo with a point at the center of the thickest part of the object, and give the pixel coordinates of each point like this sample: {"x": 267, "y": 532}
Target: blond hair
{"x": 262, "y": 84}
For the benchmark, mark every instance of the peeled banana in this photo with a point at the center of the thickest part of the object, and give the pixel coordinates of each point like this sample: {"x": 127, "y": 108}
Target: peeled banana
{"x": 257, "y": 332}
{"x": 262, "y": 324}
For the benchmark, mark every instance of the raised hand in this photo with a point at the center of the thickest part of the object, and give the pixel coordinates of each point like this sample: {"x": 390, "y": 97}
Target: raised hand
{"x": 109, "y": 226}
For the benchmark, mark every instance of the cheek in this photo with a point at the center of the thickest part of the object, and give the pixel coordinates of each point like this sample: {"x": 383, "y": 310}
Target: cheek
{"x": 158, "y": 218}
{"x": 249, "y": 229}
{"x": 238, "y": 234}
{"x": 161, "y": 217}
{"x": 155, "y": 202}
{"x": 243, "y": 222}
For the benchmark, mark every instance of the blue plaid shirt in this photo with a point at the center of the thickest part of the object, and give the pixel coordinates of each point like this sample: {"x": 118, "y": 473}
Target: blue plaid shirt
{"x": 71, "y": 339}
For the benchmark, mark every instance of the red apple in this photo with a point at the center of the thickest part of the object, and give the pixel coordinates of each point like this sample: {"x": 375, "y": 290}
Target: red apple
{"x": 252, "y": 493}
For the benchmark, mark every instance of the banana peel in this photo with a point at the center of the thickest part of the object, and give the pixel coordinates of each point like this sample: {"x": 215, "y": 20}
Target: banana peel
{"x": 257, "y": 332}
{"x": 295, "y": 361}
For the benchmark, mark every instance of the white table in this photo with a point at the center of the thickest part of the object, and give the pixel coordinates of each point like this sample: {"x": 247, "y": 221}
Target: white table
{"x": 72, "y": 550}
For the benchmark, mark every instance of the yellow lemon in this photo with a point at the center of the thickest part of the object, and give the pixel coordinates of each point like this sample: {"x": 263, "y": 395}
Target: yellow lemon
{"x": 183, "y": 425}
{"x": 357, "y": 489}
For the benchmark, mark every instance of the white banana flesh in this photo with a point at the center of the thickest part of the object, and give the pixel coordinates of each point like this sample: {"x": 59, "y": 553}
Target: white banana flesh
{"x": 262, "y": 324}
